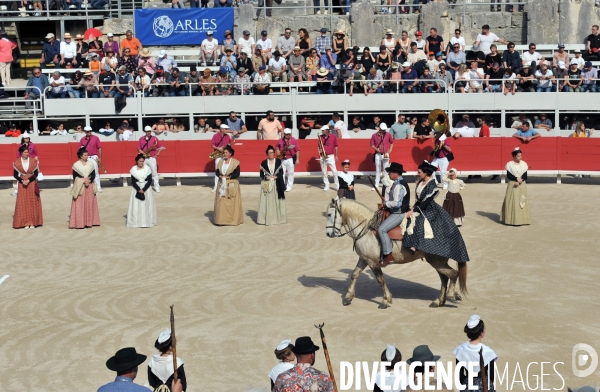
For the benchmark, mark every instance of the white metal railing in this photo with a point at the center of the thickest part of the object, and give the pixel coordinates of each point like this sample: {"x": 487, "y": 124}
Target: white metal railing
{"x": 554, "y": 84}
{"x": 16, "y": 103}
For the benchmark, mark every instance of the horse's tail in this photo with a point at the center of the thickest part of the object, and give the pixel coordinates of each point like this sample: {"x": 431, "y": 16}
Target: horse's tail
{"x": 462, "y": 278}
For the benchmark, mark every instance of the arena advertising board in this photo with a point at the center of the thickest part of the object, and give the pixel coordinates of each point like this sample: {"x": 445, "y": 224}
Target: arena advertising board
{"x": 181, "y": 26}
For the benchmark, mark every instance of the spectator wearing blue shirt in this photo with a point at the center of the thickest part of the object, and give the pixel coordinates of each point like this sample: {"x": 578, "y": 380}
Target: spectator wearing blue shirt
{"x": 322, "y": 42}
{"x": 543, "y": 122}
{"x": 166, "y": 61}
{"x": 589, "y": 75}
{"x": 36, "y": 85}
{"x": 410, "y": 79}
{"x": 526, "y": 134}
{"x": 50, "y": 52}
{"x": 125, "y": 362}
{"x": 328, "y": 60}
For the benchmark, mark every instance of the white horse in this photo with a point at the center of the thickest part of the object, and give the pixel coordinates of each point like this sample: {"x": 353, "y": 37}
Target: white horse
{"x": 353, "y": 217}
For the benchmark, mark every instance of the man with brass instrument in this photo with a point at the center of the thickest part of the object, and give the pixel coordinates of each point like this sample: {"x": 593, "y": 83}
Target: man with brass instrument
{"x": 442, "y": 151}
{"x": 219, "y": 141}
{"x": 382, "y": 144}
{"x": 150, "y": 147}
{"x": 92, "y": 145}
{"x": 328, "y": 152}
{"x": 288, "y": 151}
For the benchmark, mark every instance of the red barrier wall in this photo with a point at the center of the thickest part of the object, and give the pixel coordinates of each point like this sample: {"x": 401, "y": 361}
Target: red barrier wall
{"x": 191, "y": 156}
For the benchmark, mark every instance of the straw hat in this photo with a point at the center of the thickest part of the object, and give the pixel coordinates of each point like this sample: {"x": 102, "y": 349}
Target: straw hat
{"x": 78, "y": 37}
{"x": 322, "y": 71}
{"x": 389, "y": 32}
{"x": 67, "y": 35}
{"x": 146, "y": 52}
{"x": 340, "y": 32}
{"x": 88, "y": 73}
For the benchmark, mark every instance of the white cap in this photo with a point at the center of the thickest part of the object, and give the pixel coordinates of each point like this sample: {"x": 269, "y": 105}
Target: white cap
{"x": 561, "y": 64}
{"x": 284, "y": 344}
{"x": 49, "y": 35}
{"x": 209, "y": 32}
{"x": 573, "y": 61}
{"x": 325, "y": 127}
{"x": 390, "y": 352}
{"x": 406, "y": 64}
{"x": 452, "y": 170}
{"x": 164, "y": 335}
{"x": 110, "y": 35}
{"x": 147, "y": 128}
{"x": 473, "y": 321}
{"x": 223, "y": 126}
{"x": 383, "y": 126}
{"x": 517, "y": 149}
{"x": 162, "y": 52}
{"x": 87, "y": 128}
{"x": 287, "y": 131}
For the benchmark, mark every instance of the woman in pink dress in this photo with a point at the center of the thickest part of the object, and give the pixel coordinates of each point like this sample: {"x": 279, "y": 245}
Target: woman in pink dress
{"x": 33, "y": 154}
{"x": 28, "y": 209}
{"x": 84, "y": 207}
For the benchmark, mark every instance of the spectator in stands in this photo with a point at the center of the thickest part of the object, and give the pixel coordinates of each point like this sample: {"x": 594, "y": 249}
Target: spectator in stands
{"x": 358, "y": 81}
{"x": 375, "y": 124}
{"x": 223, "y": 82}
{"x": 455, "y": 58}
{"x": 543, "y": 123}
{"x": 107, "y": 130}
{"x": 462, "y": 79}
{"x": 125, "y": 131}
{"x": 82, "y": 51}
{"x": 95, "y": 46}
{"x": 517, "y": 124}
{"x": 278, "y": 68}
{"x": 545, "y": 78}
{"x": 592, "y": 43}
{"x": 111, "y": 44}
{"x": 159, "y": 83}
{"x": 48, "y": 130}
{"x": 484, "y": 129}
{"x": 343, "y": 77}
{"x": 258, "y": 59}
{"x": 493, "y": 78}
{"x": 57, "y": 82}
{"x": 589, "y": 75}
{"x": 98, "y": 4}
{"x": 68, "y": 3}
{"x": 297, "y": 70}
{"x": 242, "y": 82}
{"x": 201, "y": 126}
{"x": 410, "y": 79}
{"x": 229, "y": 42}
{"x": 446, "y": 77}
{"x": 165, "y": 61}
{"x": 143, "y": 82}
{"x": 227, "y": 3}
{"x": 339, "y": 45}
{"x": 475, "y": 79}
{"x": 50, "y": 52}
{"x": 304, "y": 42}
{"x": 177, "y": 84}
{"x": 124, "y": 88}
{"x": 323, "y": 79}
{"x": 367, "y": 60}
{"x": 580, "y": 61}
{"x": 127, "y": 60}
{"x": 207, "y": 83}
{"x": 435, "y": 42}
{"x": 526, "y": 78}
{"x": 105, "y": 80}
{"x": 12, "y": 131}
{"x": 357, "y": 125}
{"x": 68, "y": 52}
{"x": 208, "y": 49}
{"x": 286, "y": 44}
{"x": 477, "y": 56}
{"x": 395, "y": 77}
{"x": 383, "y": 59}
{"x": 131, "y": 43}
{"x": 389, "y": 41}
{"x": 193, "y": 79}
{"x": 526, "y": 134}
{"x": 72, "y": 85}
{"x": 457, "y": 39}
{"x": 573, "y": 79}
{"x": 486, "y": 39}
{"x": 466, "y": 118}
{"x": 400, "y": 129}
{"x": 511, "y": 58}
{"x": 398, "y": 55}
{"x": 419, "y": 40}
{"x": 147, "y": 62}
{"x": 509, "y": 82}
{"x": 95, "y": 65}
{"x": 266, "y": 45}
{"x": 312, "y": 64}
{"x": 59, "y": 131}
{"x": 532, "y": 58}
{"x": 246, "y": 44}
{"x": 561, "y": 55}
{"x": 375, "y": 81}
{"x": 323, "y": 41}
{"x": 88, "y": 85}
{"x": 110, "y": 62}
{"x": 262, "y": 81}
{"x": 581, "y": 131}
{"x": 328, "y": 60}
{"x": 423, "y": 131}
{"x": 229, "y": 62}
{"x": 404, "y": 41}
{"x": 426, "y": 83}
{"x": 318, "y": 7}
{"x": 415, "y": 55}
{"x": 432, "y": 63}
{"x": 463, "y": 129}
{"x": 561, "y": 74}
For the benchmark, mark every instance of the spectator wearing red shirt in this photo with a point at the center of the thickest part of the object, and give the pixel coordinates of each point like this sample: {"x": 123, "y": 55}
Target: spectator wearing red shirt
{"x": 13, "y": 131}
{"x": 6, "y": 57}
{"x": 484, "y": 130}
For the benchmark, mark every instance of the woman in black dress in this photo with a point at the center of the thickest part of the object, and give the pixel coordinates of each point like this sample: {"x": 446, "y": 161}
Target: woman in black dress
{"x": 433, "y": 230}
{"x": 383, "y": 59}
{"x": 367, "y": 60}
{"x": 304, "y": 42}
{"x": 346, "y": 180}
{"x": 493, "y": 57}
{"x": 340, "y": 44}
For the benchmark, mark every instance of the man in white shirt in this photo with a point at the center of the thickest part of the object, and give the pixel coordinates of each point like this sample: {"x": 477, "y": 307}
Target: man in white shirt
{"x": 580, "y": 61}
{"x": 463, "y": 130}
{"x": 277, "y": 68}
{"x": 68, "y": 51}
{"x": 533, "y": 58}
{"x": 457, "y": 39}
{"x": 340, "y": 128}
{"x": 517, "y": 123}
{"x": 486, "y": 39}
{"x": 266, "y": 44}
{"x": 208, "y": 49}
{"x": 476, "y": 78}
{"x": 57, "y": 82}
{"x": 246, "y": 44}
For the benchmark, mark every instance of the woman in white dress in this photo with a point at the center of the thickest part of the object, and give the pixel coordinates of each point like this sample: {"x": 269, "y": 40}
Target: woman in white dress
{"x": 271, "y": 200}
{"x": 286, "y": 357}
{"x": 142, "y": 208}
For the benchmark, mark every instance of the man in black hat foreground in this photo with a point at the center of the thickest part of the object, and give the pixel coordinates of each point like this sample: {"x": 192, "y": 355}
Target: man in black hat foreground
{"x": 125, "y": 362}
{"x": 303, "y": 376}
{"x": 397, "y": 201}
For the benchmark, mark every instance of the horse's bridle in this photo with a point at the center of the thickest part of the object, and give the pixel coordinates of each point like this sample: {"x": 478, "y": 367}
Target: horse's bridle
{"x": 349, "y": 230}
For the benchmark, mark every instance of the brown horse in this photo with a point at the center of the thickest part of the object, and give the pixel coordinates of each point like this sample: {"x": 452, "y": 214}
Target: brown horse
{"x": 353, "y": 217}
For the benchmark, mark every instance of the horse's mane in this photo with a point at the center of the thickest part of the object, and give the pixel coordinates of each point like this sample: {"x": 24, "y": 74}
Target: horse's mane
{"x": 358, "y": 210}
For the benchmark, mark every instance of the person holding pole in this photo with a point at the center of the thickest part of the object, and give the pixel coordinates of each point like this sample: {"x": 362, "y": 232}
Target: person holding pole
{"x": 160, "y": 366}
{"x": 303, "y": 376}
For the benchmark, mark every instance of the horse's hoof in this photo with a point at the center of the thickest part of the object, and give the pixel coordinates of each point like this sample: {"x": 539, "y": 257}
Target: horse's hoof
{"x": 347, "y": 301}
{"x": 457, "y": 297}
{"x": 384, "y": 305}
{"x": 434, "y": 305}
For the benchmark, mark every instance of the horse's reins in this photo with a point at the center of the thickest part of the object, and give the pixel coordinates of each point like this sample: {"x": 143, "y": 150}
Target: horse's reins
{"x": 349, "y": 231}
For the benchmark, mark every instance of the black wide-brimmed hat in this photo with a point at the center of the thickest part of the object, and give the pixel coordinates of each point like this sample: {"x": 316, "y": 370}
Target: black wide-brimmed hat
{"x": 304, "y": 345}
{"x": 427, "y": 167}
{"x": 125, "y": 359}
{"x": 422, "y": 354}
{"x": 395, "y": 167}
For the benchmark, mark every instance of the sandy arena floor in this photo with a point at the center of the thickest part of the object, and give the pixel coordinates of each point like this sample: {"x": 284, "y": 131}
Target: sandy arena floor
{"x": 73, "y": 298}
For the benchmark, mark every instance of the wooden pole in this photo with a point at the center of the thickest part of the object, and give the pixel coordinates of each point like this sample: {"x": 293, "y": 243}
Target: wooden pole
{"x": 173, "y": 345}
{"x": 329, "y": 367}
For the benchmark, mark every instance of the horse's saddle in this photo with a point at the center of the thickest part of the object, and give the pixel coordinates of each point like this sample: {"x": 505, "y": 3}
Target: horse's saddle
{"x": 395, "y": 233}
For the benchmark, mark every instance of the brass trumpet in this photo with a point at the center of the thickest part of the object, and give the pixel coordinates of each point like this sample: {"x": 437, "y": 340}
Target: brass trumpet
{"x": 215, "y": 154}
{"x": 438, "y": 120}
{"x": 322, "y": 152}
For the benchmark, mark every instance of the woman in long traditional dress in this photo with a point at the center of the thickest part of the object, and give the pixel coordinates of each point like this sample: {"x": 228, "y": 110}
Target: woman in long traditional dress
{"x": 228, "y": 198}
{"x": 271, "y": 200}
{"x": 283, "y": 352}
{"x": 431, "y": 229}
{"x": 28, "y": 208}
{"x": 346, "y": 180}
{"x": 392, "y": 355}
{"x": 84, "y": 207}
{"x": 515, "y": 209}
{"x": 160, "y": 366}
{"x": 33, "y": 154}
{"x": 453, "y": 202}
{"x": 142, "y": 207}
{"x": 475, "y": 351}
